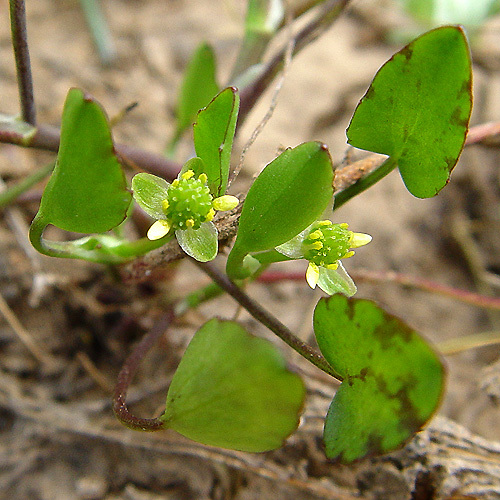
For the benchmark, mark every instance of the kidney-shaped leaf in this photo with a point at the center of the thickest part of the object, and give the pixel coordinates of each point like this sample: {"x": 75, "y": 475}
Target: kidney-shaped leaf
{"x": 213, "y": 137}
{"x": 289, "y": 195}
{"x": 87, "y": 193}
{"x": 232, "y": 390}
{"x": 392, "y": 379}
{"x": 417, "y": 109}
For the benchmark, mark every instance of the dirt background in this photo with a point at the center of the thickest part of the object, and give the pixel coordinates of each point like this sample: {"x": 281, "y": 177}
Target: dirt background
{"x": 58, "y": 437}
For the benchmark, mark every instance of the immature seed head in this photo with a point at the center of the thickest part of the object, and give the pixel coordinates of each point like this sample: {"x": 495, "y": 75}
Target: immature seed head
{"x": 189, "y": 202}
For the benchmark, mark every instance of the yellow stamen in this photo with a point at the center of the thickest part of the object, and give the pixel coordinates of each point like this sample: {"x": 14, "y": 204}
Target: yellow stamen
{"x": 158, "y": 230}
{"x": 317, "y": 245}
{"x": 210, "y": 216}
{"x": 187, "y": 174}
{"x": 190, "y": 223}
{"x": 348, "y": 254}
{"x": 315, "y": 234}
{"x": 175, "y": 183}
{"x": 333, "y": 266}
{"x": 325, "y": 223}
{"x": 203, "y": 178}
{"x": 165, "y": 204}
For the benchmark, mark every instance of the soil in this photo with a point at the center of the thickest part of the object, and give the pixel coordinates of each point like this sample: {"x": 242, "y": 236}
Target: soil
{"x": 58, "y": 437}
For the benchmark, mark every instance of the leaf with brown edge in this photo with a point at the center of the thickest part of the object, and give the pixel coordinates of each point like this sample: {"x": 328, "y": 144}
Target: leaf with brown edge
{"x": 392, "y": 379}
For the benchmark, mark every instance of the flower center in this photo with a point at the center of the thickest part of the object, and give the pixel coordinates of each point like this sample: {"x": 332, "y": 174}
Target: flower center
{"x": 327, "y": 243}
{"x": 189, "y": 202}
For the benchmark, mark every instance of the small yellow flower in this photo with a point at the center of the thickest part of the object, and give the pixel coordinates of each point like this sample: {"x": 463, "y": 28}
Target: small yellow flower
{"x": 185, "y": 207}
{"x": 324, "y": 244}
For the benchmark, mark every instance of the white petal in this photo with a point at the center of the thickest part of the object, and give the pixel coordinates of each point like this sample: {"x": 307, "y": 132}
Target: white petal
{"x": 312, "y": 275}
{"x": 226, "y": 202}
{"x": 336, "y": 281}
{"x": 360, "y": 239}
{"x": 201, "y": 244}
{"x": 158, "y": 230}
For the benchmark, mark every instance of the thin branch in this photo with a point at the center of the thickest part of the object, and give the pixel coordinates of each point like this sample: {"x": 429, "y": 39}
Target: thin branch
{"x": 272, "y": 106}
{"x": 326, "y": 15}
{"x": 467, "y": 342}
{"x": 267, "y": 319}
{"x": 127, "y": 373}
{"x": 8, "y": 195}
{"x": 22, "y": 57}
{"x": 364, "y": 182}
{"x": 47, "y": 138}
{"x": 483, "y": 133}
{"x": 426, "y": 285}
{"x": 140, "y": 269}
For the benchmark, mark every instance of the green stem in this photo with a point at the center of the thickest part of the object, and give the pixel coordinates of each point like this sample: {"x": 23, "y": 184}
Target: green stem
{"x": 267, "y": 319}
{"x": 194, "y": 299}
{"x": 15, "y": 191}
{"x": 101, "y": 248}
{"x": 99, "y": 28}
{"x": 364, "y": 183}
{"x": 234, "y": 265}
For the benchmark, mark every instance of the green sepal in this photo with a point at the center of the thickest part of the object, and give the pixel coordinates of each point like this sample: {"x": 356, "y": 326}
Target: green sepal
{"x": 149, "y": 192}
{"x": 195, "y": 164}
{"x": 201, "y": 244}
{"x": 333, "y": 281}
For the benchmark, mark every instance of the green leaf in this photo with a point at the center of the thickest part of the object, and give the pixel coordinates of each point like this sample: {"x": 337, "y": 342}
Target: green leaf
{"x": 149, "y": 192}
{"x": 232, "y": 390}
{"x": 198, "y": 87}
{"x": 392, "y": 379}
{"x": 264, "y": 16}
{"x": 263, "y": 19}
{"x": 87, "y": 192}
{"x": 289, "y": 195}
{"x": 213, "y": 138}
{"x": 417, "y": 109}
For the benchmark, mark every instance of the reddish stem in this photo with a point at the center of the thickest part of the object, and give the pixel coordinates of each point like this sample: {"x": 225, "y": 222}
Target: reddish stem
{"x": 22, "y": 57}
{"x": 472, "y": 298}
{"x": 127, "y": 373}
